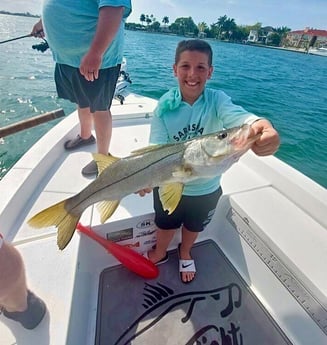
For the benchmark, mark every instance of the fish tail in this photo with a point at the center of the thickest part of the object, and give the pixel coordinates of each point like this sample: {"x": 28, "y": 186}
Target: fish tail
{"x": 57, "y": 216}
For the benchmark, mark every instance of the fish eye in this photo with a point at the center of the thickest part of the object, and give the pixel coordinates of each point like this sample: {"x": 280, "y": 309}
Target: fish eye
{"x": 222, "y": 135}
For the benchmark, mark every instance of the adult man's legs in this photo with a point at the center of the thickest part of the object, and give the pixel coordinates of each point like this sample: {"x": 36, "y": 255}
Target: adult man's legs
{"x": 85, "y": 121}
{"x": 103, "y": 130}
{"x": 102, "y": 121}
{"x": 85, "y": 137}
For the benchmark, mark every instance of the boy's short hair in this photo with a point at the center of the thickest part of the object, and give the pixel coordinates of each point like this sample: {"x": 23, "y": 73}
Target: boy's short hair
{"x": 194, "y": 45}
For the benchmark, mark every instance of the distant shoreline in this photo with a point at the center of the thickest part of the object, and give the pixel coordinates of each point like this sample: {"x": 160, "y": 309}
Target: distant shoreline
{"x": 294, "y": 50}
{"x": 302, "y": 51}
{"x": 27, "y": 14}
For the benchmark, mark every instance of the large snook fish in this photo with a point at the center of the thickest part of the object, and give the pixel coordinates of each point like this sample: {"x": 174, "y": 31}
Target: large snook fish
{"x": 168, "y": 166}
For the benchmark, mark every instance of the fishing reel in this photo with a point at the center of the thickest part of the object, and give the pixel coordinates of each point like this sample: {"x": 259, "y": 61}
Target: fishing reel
{"x": 122, "y": 84}
{"x": 41, "y": 47}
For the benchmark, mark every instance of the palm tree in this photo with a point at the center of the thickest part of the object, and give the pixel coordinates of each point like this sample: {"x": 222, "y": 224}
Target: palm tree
{"x": 148, "y": 19}
{"x": 165, "y": 20}
{"x": 142, "y": 18}
{"x": 278, "y": 36}
{"x": 220, "y": 25}
{"x": 202, "y": 26}
{"x": 229, "y": 27}
{"x": 203, "y": 29}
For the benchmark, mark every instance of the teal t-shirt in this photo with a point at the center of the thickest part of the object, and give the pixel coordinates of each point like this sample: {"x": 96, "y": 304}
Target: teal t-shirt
{"x": 70, "y": 26}
{"x": 175, "y": 121}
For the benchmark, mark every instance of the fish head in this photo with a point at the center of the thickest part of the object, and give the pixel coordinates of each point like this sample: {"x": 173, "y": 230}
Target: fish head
{"x": 214, "y": 153}
{"x": 225, "y": 142}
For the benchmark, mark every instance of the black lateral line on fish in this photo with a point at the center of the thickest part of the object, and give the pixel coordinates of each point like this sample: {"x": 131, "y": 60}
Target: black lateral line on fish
{"x": 126, "y": 177}
{"x": 144, "y": 168}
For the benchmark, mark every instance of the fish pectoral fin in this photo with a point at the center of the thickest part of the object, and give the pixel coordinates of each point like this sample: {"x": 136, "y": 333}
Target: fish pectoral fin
{"x": 103, "y": 161}
{"x": 170, "y": 195}
{"x": 106, "y": 209}
{"x": 57, "y": 216}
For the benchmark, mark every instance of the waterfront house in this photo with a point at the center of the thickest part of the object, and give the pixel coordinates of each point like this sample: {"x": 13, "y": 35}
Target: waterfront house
{"x": 260, "y": 36}
{"x": 253, "y": 36}
{"x": 303, "y": 39}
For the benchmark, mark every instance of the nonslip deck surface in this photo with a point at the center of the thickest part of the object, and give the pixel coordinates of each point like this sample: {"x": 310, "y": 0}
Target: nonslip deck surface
{"x": 217, "y": 308}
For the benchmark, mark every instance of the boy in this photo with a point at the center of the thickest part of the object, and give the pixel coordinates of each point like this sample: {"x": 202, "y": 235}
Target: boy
{"x": 184, "y": 112}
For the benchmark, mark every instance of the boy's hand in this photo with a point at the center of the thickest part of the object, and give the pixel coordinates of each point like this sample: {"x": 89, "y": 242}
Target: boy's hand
{"x": 268, "y": 143}
{"x": 144, "y": 191}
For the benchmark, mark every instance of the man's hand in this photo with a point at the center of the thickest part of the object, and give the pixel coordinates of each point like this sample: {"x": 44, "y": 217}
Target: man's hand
{"x": 37, "y": 30}
{"x": 90, "y": 66}
{"x": 108, "y": 24}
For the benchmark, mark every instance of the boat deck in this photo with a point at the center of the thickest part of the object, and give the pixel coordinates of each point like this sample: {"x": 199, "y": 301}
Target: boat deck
{"x": 217, "y": 308}
{"x": 45, "y": 175}
{"x": 270, "y": 223}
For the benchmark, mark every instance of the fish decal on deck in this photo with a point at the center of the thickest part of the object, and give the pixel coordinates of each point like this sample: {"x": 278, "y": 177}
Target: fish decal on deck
{"x": 160, "y": 300}
{"x": 168, "y": 167}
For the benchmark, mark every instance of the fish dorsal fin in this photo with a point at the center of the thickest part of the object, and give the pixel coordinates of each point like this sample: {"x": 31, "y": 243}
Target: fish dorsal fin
{"x": 170, "y": 195}
{"x": 103, "y": 161}
{"x": 106, "y": 209}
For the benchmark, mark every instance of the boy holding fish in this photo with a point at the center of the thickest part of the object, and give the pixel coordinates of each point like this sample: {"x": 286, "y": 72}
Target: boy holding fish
{"x": 209, "y": 133}
{"x": 188, "y": 111}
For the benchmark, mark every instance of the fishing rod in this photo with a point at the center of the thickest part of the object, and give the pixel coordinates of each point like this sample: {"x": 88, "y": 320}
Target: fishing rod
{"x": 31, "y": 122}
{"x": 16, "y": 38}
{"x": 40, "y": 47}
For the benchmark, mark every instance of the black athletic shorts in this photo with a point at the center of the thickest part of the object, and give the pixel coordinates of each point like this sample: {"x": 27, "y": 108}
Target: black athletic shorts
{"x": 194, "y": 212}
{"x": 96, "y": 95}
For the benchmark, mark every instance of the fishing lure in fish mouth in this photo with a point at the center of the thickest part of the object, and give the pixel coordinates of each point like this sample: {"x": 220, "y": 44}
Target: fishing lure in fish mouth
{"x": 167, "y": 166}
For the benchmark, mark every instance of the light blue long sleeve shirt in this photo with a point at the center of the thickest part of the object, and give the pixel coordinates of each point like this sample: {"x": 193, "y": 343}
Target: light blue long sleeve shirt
{"x": 175, "y": 121}
{"x": 70, "y": 26}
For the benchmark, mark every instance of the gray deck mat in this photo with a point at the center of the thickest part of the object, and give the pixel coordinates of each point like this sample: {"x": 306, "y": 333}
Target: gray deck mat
{"x": 217, "y": 308}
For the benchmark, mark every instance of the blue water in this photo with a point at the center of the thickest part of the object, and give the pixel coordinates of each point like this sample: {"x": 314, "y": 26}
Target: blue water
{"x": 288, "y": 88}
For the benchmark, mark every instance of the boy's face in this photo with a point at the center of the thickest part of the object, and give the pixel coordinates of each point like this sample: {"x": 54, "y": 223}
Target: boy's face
{"x": 192, "y": 72}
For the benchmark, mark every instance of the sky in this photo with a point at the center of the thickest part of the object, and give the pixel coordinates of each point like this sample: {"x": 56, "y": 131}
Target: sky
{"x": 295, "y": 14}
